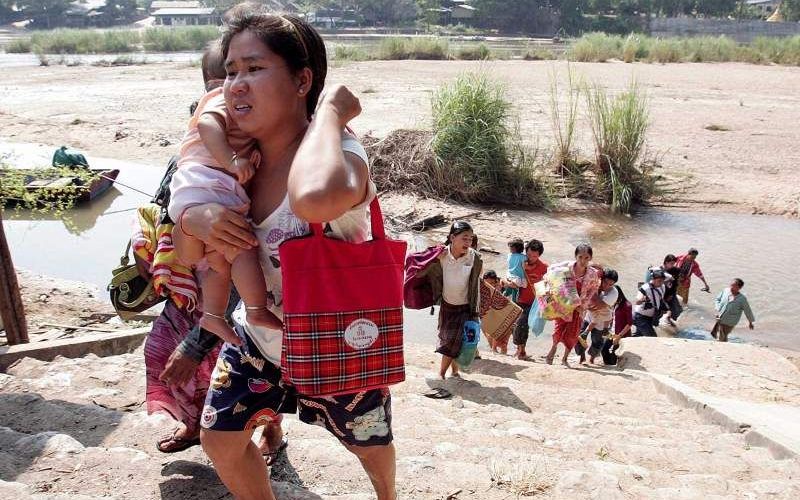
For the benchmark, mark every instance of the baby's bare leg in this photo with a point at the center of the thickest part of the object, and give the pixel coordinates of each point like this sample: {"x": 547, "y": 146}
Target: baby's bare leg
{"x": 249, "y": 280}
{"x": 190, "y": 250}
{"x": 216, "y": 284}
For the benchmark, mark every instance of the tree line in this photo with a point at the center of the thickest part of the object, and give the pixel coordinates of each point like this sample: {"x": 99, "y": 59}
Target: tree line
{"x": 508, "y": 16}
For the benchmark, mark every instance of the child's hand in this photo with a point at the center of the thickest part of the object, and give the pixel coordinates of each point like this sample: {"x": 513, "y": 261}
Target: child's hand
{"x": 243, "y": 169}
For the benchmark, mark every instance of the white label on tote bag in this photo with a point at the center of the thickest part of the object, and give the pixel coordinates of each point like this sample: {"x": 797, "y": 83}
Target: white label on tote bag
{"x": 361, "y": 334}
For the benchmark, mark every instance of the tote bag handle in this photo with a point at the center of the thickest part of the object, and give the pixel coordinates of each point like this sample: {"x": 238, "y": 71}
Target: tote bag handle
{"x": 376, "y": 218}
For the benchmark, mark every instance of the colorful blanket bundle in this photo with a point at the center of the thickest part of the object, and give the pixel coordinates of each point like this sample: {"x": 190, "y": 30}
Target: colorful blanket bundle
{"x": 557, "y": 293}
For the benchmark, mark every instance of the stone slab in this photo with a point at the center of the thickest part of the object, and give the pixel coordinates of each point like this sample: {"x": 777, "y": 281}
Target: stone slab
{"x": 103, "y": 344}
{"x": 772, "y": 426}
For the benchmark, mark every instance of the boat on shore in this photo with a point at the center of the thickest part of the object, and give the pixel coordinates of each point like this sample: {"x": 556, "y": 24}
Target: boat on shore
{"x": 43, "y": 185}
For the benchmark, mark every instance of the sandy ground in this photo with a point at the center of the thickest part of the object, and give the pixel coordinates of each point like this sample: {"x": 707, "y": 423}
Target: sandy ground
{"x": 139, "y": 113}
{"x": 78, "y": 427}
{"x": 52, "y": 304}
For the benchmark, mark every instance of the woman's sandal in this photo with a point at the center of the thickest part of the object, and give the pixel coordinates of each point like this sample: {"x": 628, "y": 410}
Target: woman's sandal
{"x": 270, "y": 457}
{"x": 180, "y": 443}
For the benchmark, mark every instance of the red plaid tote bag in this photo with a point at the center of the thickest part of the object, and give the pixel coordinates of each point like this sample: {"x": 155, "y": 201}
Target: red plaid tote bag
{"x": 342, "y": 311}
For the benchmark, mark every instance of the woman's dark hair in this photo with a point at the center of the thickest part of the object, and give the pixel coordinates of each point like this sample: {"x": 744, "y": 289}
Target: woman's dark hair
{"x": 490, "y": 275}
{"x": 474, "y": 244}
{"x": 584, "y": 247}
{"x": 739, "y": 282}
{"x": 621, "y": 299}
{"x": 670, "y": 258}
{"x": 457, "y": 228}
{"x": 213, "y": 64}
{"x": 535, "y": 246}
{"x": 288, "y": 36}
{"x": 516, "y": 245}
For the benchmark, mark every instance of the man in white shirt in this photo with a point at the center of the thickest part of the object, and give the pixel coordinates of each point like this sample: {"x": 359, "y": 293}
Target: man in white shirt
{"x": 649, "y": 305}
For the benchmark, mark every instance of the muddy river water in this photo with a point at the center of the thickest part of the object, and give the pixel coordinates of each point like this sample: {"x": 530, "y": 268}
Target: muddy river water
{"x": 762, "y": 250}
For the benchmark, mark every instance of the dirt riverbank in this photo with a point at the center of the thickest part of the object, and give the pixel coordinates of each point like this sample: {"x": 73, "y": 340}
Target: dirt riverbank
{"x": 139, "y": 113}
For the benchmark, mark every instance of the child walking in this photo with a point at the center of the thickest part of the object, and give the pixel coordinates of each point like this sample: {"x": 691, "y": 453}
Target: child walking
{"x": 457, "y": 274}
{"x": 216, "y": 159}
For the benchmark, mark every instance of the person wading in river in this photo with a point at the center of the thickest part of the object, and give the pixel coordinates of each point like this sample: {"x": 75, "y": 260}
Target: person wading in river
{"x": 730, "y": 304}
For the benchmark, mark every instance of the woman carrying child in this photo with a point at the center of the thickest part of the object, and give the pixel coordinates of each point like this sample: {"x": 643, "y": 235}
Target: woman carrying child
{"x": 457, "y": 273}
{"x": 587, "y": 282}
{"x": 216, "y": 160}
{"x": 534, "y": 268}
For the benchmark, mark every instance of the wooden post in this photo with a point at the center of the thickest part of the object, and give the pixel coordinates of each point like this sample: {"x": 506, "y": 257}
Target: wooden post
{"x": 10, "y": 300}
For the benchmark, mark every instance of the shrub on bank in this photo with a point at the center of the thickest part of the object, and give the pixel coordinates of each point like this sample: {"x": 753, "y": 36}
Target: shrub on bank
{"x": 430, "y": 48}
{"x": 619, "y": 128}
{"x": 179, "y": 39}
{"x": 19, "y": 46}
{"x": 596, "y": 47}
{"x": 600, "y": 47}
{"x": 478, "y": 52}
{"x": 350, "y": 53}
{"x": 74, "y": 41}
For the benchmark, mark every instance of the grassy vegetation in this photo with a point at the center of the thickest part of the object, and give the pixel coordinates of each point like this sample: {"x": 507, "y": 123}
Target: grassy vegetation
{"x": 474, "y": 153}
{"x": 591, "y": 47}
{"x": 480, "y": 52}
{"x": 480, "y": 155}
{"x": 600, "y": 47}
{"x": 75, "y": 41}
{"x": 431, "y": 48}
{"x": 619, "y": 127}
{"x": 563, "y": 118}
{"x": 72, "y": 41}
{"x": 350, "y": 53}
{"x": 179, "y": 39}
{"x": 470, "y": 126}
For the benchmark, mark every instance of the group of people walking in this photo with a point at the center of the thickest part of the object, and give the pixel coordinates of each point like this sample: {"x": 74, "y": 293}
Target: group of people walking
{"x": 600, "y": 314}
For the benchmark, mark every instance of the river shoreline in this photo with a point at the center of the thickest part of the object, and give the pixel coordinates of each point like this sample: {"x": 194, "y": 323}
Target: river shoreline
{"x": 721, "y": 131}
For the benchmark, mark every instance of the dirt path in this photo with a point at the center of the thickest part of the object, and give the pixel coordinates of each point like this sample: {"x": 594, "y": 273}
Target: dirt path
{"x": 78, "y": 427}
{"x": 139, "y": 113}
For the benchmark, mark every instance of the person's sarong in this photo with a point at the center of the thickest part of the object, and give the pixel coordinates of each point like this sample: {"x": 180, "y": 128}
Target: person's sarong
{"x": 451, "y": 328}
{"x": 498, "y": 314}
{"x": 683, "y": 291}
{"x": 567, "y": 332}
{"x": 183, "y": 403}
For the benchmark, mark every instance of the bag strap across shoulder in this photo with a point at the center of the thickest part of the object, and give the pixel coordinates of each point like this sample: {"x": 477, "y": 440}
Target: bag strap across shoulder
{"x": 124, "y": 260}
{"x": 376, "y": 219}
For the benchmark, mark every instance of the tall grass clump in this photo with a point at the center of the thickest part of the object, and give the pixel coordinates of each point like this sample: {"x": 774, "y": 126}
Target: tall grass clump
{"x": 179, "y": 39}
{"x": 74, "y": 41}
{"x": 480, "y": 52}
{"x": 709, "y": 49}
{"x": 473, "y": 153}
{"x": 470, "y": 127}
{"x": 779, "y": 50}
{"x": 619, "y": 126}
{"x": 431, "y": 48}
{"x": 665, "y": 50}
{"x": 19, "y": 46}
{"x": 596, "y": 47}
{"x": 350, "y": 53}
{"x": 563, "y": 117}
{"x": 392, "y": 48}
{"x": 635, "y": 48}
